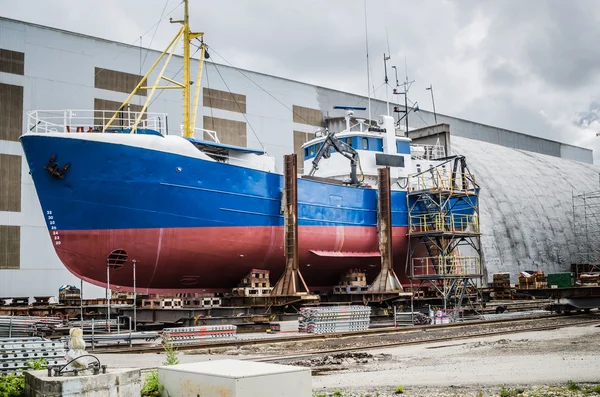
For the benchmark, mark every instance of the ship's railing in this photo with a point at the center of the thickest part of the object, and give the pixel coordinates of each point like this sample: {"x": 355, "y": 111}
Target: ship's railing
{"x": 81, "y": 120}
{"x": 427, "y": 152}
{"x": 443, "y": 223}
{"x": 203, "y": 133}
{"x": 442, "y": 179}
{"x": 446, "y": 266}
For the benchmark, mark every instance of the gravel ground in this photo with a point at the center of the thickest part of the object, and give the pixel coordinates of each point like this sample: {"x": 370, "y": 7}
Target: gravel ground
{"x": 480, "y": 366}
{"x": 471, "y": 366}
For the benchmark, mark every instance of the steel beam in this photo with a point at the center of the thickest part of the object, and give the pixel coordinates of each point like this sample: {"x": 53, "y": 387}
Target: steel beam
{"x": 386, "y": 281}
{"x": 291, "y": 282}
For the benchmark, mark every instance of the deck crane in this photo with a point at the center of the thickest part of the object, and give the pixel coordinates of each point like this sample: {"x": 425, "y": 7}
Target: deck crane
{"x": 332, "y": 142}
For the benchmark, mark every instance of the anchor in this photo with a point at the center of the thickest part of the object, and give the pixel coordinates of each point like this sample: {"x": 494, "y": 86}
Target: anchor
{"x": 54, "y": 169}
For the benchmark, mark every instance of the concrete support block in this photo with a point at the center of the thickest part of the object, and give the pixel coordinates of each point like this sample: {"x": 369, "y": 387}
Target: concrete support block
{"x": 116, "y": 382}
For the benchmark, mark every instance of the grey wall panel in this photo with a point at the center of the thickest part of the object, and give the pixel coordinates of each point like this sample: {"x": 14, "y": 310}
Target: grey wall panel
{"x": 576, "y": 153}
{"x": 526, "y": 205}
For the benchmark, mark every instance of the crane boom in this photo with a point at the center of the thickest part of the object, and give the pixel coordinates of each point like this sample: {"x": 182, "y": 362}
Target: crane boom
{"x": 331, "y": 141}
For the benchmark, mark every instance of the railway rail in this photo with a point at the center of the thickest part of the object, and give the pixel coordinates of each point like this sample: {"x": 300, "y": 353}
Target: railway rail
{"x": 378, "y": 332}
{"x": 425, "y": 340}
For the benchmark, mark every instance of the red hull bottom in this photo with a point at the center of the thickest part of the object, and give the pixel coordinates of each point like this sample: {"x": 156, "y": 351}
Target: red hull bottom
{"x": 216, "y": 259}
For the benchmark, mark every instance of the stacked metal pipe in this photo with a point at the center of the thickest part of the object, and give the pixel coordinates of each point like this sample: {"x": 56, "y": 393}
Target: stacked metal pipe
{"x": 15, "y": 353}
{"x": 322, "y": 320}
{"x": 97, "y": 325}
{"x": 18, "y": 326}
{"x": 182, "y": 335}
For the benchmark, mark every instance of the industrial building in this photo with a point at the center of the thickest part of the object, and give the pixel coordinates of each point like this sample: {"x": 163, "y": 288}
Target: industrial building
{"x": 527, "y": 182}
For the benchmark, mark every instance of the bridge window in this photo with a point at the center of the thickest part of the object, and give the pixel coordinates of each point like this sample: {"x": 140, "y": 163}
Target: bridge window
{"x": 365, "y": 143}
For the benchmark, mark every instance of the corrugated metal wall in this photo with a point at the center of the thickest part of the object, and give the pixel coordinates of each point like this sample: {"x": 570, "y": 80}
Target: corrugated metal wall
{"x": 526, "y": 205}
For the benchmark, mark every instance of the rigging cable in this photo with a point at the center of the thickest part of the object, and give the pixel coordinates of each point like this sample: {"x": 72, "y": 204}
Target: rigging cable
{"x": 174, "y": 76}
{"x": 240, "y": 109}
{"x": 412, "y": 104}
{"x": 256, "y": 84}
{"x": 127, "y": 46}
{"x": 155, "y": 30}
{"x": 212, "y": 117}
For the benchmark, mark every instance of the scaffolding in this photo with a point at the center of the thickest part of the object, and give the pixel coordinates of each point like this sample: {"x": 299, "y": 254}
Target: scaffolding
{"x": 444, "y": 250}
{"x": 586, "y": 230}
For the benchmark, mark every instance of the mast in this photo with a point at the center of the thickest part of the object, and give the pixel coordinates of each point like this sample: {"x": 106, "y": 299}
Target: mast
{"x": 186, "y": 71}
{"x": 368, "y": 69}
{"x": 189, "y": 123}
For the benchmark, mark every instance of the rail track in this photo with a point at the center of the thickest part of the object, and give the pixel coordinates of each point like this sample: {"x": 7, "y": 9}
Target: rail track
{"x": 425, "y": 340}
{"x": 387, "y": 336}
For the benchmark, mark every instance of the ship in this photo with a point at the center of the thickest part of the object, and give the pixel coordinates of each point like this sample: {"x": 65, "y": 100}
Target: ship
{"x": 192, "y": 214}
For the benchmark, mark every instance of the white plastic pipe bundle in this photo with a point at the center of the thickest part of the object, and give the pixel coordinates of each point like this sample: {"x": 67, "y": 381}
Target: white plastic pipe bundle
{"x": 321, "y": 320}
{"x": 182, "y": 335}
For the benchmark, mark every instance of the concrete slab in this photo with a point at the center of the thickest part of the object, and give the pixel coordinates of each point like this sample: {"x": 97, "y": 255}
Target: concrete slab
{"x": 116, "y": 382}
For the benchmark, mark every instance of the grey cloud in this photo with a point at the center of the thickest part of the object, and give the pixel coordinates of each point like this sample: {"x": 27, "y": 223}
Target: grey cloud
{"x": 535, "y": 55}
{"x": 587, "y": 117}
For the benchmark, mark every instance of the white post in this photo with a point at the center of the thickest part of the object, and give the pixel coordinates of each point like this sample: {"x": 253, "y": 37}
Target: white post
{"x": 108, "y": 296}
{"x": 134, "y": 300}
{"x": 81, "y": 304}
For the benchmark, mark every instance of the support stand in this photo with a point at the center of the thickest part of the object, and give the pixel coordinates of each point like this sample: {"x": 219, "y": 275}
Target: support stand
{"x": 291, "y": 282}
{"x": 386, "y": 281}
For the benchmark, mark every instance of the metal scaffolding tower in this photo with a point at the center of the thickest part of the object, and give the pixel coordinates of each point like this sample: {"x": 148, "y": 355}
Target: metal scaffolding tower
{"x": 443, "y": 237}
{"x": 586, "y": 230}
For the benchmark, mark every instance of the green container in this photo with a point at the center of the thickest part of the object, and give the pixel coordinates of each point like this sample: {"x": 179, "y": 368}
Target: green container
{"x": 561, "y": 280}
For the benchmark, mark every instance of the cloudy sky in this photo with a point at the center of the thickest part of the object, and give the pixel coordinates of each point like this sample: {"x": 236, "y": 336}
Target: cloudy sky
{"x": 531, "y": 66}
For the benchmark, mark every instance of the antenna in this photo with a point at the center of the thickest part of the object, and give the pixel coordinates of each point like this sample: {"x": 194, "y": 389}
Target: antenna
{"x": 387, "y": 102}
{"x": 368, "y": 69}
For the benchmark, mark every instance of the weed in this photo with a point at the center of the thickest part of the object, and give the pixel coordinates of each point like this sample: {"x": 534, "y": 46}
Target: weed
{"x": 504, "y": 392}
{"x": 399, "y": 390}
{"x": 337, "y": 393}
{"x": 170, "y": 351}
{"x": 152, "y": 386}
{"x": 573, "y": 386}
{"x": 38, "y": 364}
{"x": 12, "y": 385}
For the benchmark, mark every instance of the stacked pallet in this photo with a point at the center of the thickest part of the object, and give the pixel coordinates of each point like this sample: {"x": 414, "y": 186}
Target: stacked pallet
{"x": 355, "y": 281}
{"x": 533, "y": 280}
{"x": 255, "y": 284}
{"x": 589, "y": 280}
{"x": 183, "y": 335}
{"x": 322, "y": 320}
{"x": 501, "y": 285}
